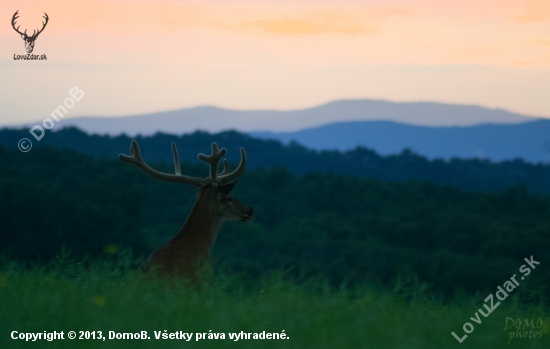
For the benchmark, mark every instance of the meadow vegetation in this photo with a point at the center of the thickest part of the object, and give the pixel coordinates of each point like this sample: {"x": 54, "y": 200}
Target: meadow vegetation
{"x": 107, "y": 295}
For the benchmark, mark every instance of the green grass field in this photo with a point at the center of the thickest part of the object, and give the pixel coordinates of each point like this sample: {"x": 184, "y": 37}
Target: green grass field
{"x": 109, "y": 296}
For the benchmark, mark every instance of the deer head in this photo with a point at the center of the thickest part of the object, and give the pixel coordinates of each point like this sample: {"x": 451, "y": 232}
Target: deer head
{"x": 190, "y": 249}
{"x": 29, "y": 40}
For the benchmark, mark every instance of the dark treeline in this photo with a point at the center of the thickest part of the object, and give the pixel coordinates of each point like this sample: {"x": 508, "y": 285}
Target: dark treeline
{"x": 347, "y": 229}
{"x": 470, "y": 175}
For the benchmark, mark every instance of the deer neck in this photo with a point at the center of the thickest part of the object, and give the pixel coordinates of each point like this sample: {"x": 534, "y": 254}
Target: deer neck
{"x": 201, "y": 229}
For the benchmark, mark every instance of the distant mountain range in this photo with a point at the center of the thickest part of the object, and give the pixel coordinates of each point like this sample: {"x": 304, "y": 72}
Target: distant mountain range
{"x": 529, "y": 140}
{"x": 213, "y": 119}
{"x": 433, "y": 130}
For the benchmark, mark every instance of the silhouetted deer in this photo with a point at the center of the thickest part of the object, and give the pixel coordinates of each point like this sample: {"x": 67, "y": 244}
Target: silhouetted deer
{"x": 189, "y": 252}
{"x": 29, "y": 40}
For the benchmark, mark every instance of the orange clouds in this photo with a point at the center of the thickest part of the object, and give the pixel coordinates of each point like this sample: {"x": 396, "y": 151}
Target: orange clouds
{"x": 530, "y": 18}
{"x": 299, "y": 26}
{"x": 155, "y": 16}
{"x": 534, "y": 12}
{"x": 286, "y": 53}
{"x": 311, "y": 24}
{"x": 491, "y": 32}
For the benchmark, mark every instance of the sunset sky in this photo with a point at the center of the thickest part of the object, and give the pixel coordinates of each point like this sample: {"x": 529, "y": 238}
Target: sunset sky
{"x": 139, "y": 56}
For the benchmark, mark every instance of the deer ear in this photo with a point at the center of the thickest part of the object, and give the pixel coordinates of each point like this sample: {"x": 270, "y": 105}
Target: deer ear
{"x": 226, "y": 189}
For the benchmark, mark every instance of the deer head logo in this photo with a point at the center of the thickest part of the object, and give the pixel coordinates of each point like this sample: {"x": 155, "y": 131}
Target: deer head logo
{"x": 29, "y": 40}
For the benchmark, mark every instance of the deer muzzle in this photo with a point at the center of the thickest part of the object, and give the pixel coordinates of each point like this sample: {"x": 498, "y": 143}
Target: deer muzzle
{"x": 248, "y": 216}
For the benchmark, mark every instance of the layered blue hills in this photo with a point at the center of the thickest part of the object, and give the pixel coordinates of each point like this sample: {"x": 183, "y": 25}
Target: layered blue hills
{"x": 529, "y": 141}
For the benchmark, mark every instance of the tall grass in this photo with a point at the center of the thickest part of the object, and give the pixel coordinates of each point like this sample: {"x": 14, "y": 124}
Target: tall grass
{"x": 108, "y": 295}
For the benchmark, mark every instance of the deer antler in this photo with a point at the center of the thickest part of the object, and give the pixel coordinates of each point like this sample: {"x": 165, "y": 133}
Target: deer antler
{"x": 34, "y": 33}
{"x": 214, "y": 158}
{"x": 13, "y": 19}
{"x": 43, "y": 25}
{"x": 225, "y": 168}
{"x": 136, "y": 159}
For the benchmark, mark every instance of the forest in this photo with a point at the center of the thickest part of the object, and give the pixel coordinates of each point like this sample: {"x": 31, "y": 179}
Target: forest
{"x": 466, "y": 174}
{"x": 349, "y": 229}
